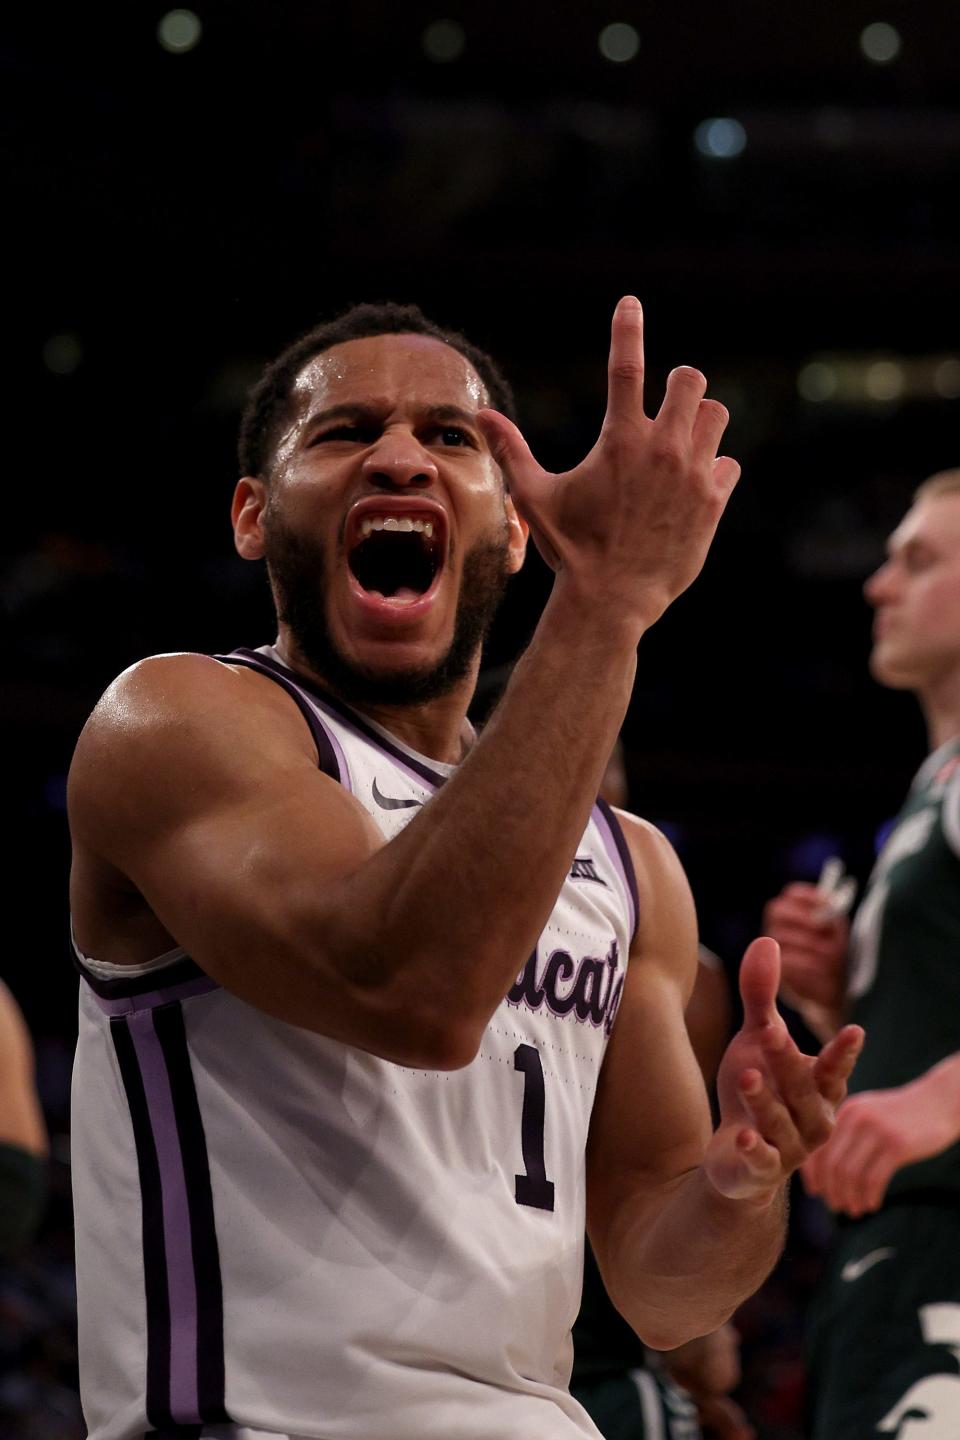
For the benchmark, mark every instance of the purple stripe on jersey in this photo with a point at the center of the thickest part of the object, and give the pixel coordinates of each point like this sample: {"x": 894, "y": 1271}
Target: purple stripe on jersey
{"x": 181, "y": 1281}
{"x": 337, "y": 748}
{"x": 417, "y": 768}
{"x": 130, "y": 1004}
{"x": 615, "y": 845}
{"x": 156, "y": 1297}
{"x": 329, "y": 755}
{"x": 171, "y": 1032}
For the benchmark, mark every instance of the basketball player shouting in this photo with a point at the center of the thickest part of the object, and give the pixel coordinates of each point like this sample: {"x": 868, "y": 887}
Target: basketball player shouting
{"x": 360, "y": 1043}
{"x": 885, "y": 1337}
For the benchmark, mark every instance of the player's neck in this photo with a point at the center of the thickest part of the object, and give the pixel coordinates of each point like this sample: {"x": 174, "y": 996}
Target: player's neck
{"x": 438, "y": 729}
{"x": 940, "y": 702}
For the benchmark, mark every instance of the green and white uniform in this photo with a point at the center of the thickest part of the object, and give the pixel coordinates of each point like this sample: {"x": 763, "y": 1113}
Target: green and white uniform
{"x": 885, "y": 1333}
{"x": 622, "y": 1387}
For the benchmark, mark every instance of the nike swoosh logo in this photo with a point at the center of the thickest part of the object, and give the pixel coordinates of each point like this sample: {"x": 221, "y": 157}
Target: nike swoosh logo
{"x": 855, "y": 1268}
{"x": 386, "y": 802}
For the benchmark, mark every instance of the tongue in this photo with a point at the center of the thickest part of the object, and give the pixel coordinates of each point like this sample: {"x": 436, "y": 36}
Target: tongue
{"x": 402, "y": 596}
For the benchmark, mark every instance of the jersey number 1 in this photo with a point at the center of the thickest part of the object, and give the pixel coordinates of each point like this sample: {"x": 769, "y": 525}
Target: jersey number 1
{"x": 533, "y": 1188}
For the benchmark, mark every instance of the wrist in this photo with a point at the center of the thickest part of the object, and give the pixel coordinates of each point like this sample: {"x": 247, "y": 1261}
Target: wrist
{"x": 759, "y": 1201}
{"x": 602, "y": 620}
{"x": 941, "y": 1086}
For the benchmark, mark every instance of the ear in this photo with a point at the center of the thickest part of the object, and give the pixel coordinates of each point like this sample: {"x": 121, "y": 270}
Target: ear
{"x": 519, "y": 532}
{"x": 246, "y": 513}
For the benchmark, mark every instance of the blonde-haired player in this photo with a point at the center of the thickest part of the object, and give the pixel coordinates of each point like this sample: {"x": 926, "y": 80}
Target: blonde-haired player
{"x": 888, "y": 1317}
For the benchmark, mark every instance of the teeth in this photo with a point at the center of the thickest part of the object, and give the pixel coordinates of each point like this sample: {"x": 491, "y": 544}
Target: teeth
{"x": 393, "y": 522}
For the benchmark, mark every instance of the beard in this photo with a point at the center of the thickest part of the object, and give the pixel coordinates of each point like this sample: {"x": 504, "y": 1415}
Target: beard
{"x": 298, "y": 575}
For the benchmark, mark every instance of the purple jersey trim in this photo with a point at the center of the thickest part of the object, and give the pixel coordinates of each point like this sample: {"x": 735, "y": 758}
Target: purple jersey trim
{"x": 330, "y": 757}
{"x": 153, "y": 999}
{"x": 166, "y": 980}
{"x": 616, "y": 847}
{"x": 183, "y": 1289}
{"x": 175, "y": 1212}
{"x": 418, "y": 767}
{"x": 205, "y": 1253}
{"x": 156, "y": 1296}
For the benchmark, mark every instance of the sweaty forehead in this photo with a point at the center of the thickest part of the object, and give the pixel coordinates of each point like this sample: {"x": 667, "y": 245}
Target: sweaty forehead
{"x": 386, "y": 369}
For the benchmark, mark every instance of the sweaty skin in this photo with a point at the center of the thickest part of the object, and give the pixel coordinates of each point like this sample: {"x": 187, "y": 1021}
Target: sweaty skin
{"x": 200, "y": 819}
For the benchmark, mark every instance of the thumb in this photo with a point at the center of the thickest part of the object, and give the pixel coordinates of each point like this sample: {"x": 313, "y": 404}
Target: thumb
{"x": 510, "y": 451}
{"x": 759, "y": 982}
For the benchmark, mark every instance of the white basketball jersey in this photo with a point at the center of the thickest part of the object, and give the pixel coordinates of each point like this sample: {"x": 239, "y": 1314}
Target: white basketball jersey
{"x": 285, "y": 1232}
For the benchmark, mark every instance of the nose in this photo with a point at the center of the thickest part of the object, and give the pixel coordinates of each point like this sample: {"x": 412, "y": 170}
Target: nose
{"x": 876, "y": 587}
{"x": 399, "y": 461}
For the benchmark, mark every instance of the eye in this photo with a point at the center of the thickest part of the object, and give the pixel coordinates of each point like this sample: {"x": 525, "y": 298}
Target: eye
{"x": 350, "y": 432}
{"x": 917, "y": 560}
{"x": 453, "y": 435}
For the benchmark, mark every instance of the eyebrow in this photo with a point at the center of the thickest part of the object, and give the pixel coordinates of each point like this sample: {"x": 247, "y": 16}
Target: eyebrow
{"x": 355, "y": 411}
{"x": 452, "y": 412}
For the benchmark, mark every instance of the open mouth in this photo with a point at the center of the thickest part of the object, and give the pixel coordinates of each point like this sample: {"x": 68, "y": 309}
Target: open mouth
{"x": 396, "y": 556}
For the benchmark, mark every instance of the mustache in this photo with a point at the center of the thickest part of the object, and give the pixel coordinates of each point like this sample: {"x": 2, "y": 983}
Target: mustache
{"x": 299, "y": 578}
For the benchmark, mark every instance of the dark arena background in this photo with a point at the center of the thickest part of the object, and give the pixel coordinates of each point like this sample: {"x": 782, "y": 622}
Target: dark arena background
{"x": 187, "y": 191}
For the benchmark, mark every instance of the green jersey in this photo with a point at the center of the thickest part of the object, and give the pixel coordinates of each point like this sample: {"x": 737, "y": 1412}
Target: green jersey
{"x": 904, "y": 977}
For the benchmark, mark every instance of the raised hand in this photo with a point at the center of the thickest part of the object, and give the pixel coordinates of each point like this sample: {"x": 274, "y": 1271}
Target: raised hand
{"x": 777, "y": 1105}
{"x": 813, "y": 941}
{"x": 877, "y": 1133}
{"x": 631, "y": 524}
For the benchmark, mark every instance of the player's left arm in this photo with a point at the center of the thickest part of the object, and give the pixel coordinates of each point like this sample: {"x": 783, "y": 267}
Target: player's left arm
{"x": 878, "y": 1132}
{"x": 685, "y": 1224}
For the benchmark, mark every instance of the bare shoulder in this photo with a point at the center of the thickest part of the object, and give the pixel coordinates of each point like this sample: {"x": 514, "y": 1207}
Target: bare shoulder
{"x": 666, "y": 918}
{"x": 200, "y": 818}
{"x": 176, "y": 733}
{"x": 175, "y": 692}
{"x": 173, "y": 723}
{"x": 654, "y": 859}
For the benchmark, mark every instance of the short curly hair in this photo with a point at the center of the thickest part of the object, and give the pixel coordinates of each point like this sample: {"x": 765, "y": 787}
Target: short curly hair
{"x": 268, "y": 404}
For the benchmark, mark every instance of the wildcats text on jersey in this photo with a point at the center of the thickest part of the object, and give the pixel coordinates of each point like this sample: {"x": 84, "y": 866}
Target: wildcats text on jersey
{"x": 588, "y": 989}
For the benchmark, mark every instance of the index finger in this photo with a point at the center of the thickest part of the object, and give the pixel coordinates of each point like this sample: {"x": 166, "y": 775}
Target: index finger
{"x": 625, "y": 366}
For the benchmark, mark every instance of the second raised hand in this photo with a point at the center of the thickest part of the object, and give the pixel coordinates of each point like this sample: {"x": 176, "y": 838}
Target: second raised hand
{"x": 632, "y": 523}
{"x": 777, "y": 1104}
